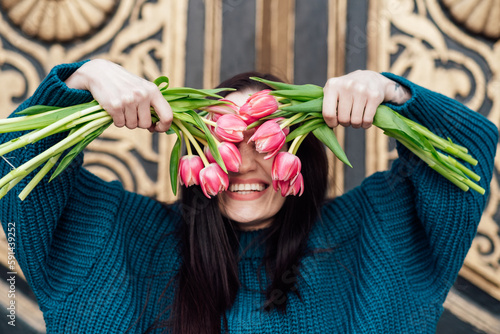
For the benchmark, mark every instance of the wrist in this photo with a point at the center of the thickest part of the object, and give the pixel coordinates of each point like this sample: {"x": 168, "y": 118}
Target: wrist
{"x": 396, "y": 93}
{"x": 80, "y": 79}
{"x": 76, "y": 80}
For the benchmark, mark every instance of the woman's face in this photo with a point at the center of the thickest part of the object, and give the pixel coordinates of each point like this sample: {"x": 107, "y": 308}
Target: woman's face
{"x": 250, "y": 199}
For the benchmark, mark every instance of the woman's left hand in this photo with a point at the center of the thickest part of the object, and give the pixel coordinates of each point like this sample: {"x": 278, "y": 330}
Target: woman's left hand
{"x": 353, "y": 99}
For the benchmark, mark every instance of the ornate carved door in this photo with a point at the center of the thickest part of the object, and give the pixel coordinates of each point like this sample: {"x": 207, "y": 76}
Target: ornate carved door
{"x": 451, "y": 46}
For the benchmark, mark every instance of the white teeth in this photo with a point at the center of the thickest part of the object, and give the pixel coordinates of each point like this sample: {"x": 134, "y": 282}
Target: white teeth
{"x": 246, "y": 188}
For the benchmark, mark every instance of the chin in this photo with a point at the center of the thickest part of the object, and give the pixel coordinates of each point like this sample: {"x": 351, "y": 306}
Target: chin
{"x": 251, "y": 213}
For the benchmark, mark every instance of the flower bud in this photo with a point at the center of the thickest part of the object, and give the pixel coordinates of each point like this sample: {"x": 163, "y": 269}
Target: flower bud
{"x": 230, "y": 155}
{"x": 258, "y": 105}
{"x": 213, "y": 180}
{"x": 269, "y": 138}
{"x": 230, "y": 128}
{"x": 294, "y": 188}
{"x": 189, "y": 170}
{"x": 286, "y": 167}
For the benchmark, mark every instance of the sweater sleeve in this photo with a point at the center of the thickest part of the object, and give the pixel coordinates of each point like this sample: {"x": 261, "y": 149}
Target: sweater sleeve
{"x": 429, "y": 221}
{"x": 35, "y": 238}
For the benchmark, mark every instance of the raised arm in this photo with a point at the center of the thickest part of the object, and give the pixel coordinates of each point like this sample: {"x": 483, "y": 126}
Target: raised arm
{"x": 447, "y": 216}
{"x": 46, "y": 238}
{"x": 428, "y": 221}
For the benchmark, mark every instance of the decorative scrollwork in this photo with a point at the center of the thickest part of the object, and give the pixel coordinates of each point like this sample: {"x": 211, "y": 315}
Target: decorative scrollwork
{"x": 479, "y": 16}
{"x": 418, "y": 49}
{"x": 58, "y": 21}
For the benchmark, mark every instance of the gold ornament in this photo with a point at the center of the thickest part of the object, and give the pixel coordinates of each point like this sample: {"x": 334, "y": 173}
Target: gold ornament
{"x": 479, "y": 16}
{"x": 58, "y": 20}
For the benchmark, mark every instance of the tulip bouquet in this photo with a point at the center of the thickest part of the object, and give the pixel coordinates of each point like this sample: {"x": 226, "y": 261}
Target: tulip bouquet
{"x": 275, "y": 112}
{"x": 85, "y": 122}
{"x": 286, "y": 114}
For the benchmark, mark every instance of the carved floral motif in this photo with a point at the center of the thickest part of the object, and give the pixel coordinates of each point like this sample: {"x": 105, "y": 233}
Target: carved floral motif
{"x": 479, "y": 16}
{"x": 58, "y": 21}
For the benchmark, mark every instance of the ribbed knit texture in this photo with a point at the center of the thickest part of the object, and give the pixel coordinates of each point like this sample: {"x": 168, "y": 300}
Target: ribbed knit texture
{"x": 98, "y": 257}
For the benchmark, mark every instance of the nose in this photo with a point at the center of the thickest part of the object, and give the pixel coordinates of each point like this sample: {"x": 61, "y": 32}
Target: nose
{"x": 248, "y": 157}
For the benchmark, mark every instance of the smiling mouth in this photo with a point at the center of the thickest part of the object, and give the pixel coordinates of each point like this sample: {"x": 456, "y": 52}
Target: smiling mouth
{"x": 247, "y": 188}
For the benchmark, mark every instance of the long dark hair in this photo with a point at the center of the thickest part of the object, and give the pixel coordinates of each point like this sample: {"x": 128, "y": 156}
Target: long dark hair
{"x": 207, "y": 282}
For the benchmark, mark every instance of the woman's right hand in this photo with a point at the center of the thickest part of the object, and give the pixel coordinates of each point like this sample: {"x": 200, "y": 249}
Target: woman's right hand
{"x": 125, "y": 96}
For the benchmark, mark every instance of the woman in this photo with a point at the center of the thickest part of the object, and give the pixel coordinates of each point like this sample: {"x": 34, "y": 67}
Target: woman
{"x": 379, "y": 259}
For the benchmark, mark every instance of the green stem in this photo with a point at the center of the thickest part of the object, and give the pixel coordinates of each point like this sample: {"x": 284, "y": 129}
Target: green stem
{"x": 24, "y": 119}
{"x": 209, "y": 122}
{"x": 22, "y": 174}
{"x": 193, "y": 141}
{"x": 445, "y": 146}
{"x": 430, "y": 135}
{"x": 296, "y": 143}
{"x": 195, "y": 131}
{"x": 203, "y": 141}
{"x": 460, "y": 181}
{"x": 188, "y": 145}
{"x": 291, "y": 120}
{"x": 464, "y": 169}
{"x": 64, "y": 144}
{"x": 284, "y": 105}
{"x": 41, "y": 120}
{"x": 42, "y": 133}
{"x": 254, "y": 124}
{"x": 39, "y": 176}
{"x": 87, "y": 118}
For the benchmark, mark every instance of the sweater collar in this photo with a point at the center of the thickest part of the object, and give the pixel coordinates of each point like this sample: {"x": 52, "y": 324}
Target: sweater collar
{"x": 251, "y": 245}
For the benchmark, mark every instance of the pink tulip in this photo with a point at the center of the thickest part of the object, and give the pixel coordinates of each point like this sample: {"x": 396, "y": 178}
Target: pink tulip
{"x": 216, "y": 111}
{"x": 269, "y": 138}
{"x": 293, "y": 188}
{"x": 213, "y": 180}
{"x": 189, "y": 169}
{"x": 230, "y": 155}
{"x": 286, "y": 167}
{"x": 258, "y": 105}
{"x": 230, "y": 128}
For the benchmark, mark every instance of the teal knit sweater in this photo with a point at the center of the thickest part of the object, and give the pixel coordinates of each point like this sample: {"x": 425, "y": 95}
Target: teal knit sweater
{"x": 98, "y": 257}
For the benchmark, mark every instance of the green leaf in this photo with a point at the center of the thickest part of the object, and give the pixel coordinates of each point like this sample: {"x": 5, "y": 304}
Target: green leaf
{"x": 274, "y": 84}
{"x": 277, "y": 114}
{"x": 306, "y": 94}
{"x": 42, "y": 120}
{"x": 34, "y": 110}
{"x": 327, "y": 137}
{"x": 175, "y": 157}
{"x": 210, "y": 139}
{"x": 284, "y": 86}
{"x": 199, "y": 93}
{"x": 195, "y": 131}
{"x": 77, "y": 149}
{"x": 305, "y": 128}
{"x": 387, "y": 119}
{"x": 190, "y": 104}
{"x": 184, "y": 116}
{"x": 160, "y": 80}
{"x": 315, "y": 105}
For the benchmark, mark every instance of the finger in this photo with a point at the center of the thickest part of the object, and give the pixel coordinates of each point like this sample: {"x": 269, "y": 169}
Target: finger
{"x": 358, "y": 109}
{"x": 330, "y": 100}
{"x": 370, "y": 110}
{"x": 164, "y": 112}
{"x": 375, "y": 98}
{"x": 116, "y": 111}
{"x": 144, "y": 114}
{"x": 130, "y": 113}
{"x": 345, "y": 108}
